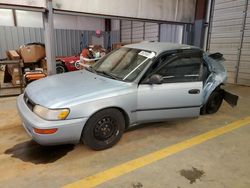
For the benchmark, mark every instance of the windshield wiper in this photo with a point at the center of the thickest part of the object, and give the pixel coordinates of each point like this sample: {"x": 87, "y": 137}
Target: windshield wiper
{"x": 108, "y": 74}
{"x": 91, "y": 69}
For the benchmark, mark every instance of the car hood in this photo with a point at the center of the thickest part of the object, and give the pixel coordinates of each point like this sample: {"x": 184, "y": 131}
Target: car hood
{"x": 63, "y": 89}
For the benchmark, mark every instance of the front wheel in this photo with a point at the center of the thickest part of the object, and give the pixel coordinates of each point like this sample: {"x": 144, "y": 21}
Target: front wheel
{"x": 104, "y": 129}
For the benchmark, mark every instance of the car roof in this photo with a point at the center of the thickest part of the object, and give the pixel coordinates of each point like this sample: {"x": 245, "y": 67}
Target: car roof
{"x": 159, "y": 47}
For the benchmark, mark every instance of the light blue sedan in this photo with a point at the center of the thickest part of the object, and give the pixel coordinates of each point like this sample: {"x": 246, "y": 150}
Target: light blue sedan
{"x": 144, "y": 82}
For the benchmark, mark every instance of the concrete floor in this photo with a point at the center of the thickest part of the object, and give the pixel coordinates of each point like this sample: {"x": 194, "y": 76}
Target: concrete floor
{"x": 221, "y": 162}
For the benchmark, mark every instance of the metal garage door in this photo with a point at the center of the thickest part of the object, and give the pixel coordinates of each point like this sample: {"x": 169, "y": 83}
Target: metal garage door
{"x": 231, "y": 36}
{"x": 136, "y": 31}
{"x": 244, "y": 65}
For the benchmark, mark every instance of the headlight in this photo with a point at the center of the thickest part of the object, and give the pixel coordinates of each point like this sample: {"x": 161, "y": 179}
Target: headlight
{"x": 51, "y": 114}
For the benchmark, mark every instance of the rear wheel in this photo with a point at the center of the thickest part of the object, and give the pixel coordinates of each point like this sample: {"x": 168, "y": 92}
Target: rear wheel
{"x": 214, "y": 102}
{"x": 60, "y": 68}
{"x": 104, "y": 129}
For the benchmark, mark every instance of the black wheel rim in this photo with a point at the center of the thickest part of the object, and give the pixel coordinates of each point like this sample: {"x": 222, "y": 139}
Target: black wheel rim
{"x": 105, "y": 129}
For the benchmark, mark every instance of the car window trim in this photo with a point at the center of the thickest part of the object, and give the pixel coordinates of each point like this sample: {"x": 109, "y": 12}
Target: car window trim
{"x": 172, "y": 60}
{"x": 175, "y": 55}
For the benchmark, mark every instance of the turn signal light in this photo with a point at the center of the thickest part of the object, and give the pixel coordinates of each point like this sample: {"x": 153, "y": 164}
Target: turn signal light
{"x": 45, "y": 131}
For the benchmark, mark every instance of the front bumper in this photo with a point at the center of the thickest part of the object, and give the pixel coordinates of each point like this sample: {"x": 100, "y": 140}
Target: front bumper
{"x": 69, "y": 131}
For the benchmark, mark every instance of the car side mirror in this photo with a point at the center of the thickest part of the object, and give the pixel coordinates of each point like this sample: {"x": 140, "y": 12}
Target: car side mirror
{"x": 155, "y": 79}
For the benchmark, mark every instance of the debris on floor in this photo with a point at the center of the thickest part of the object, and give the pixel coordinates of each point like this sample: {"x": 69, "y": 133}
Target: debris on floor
{"x": 137, "y": 185}
{"x": 192, "y": 175}
{"x": 30, "y": 151}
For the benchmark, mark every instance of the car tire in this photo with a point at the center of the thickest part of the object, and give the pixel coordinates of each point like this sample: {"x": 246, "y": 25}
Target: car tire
{"x": 104, "y": 129}
{"x": 60, "y": 68}
{"x": 77, "y": 65}
{"x": 214, "y": 102}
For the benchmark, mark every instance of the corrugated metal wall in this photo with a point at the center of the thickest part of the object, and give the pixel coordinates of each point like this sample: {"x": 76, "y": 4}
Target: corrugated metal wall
{"x": 171, "y": 33}
{"x": 188, "y": 30}
{"x": 67, "y": 42}
{"x": 152, "y": 31}
{"x": 230, "y": 35}
{"x": 110, "y": 38}
{"x": 13, "y": 37}
{"x": 126, "y": 31}
{"x": 136, "y": 31}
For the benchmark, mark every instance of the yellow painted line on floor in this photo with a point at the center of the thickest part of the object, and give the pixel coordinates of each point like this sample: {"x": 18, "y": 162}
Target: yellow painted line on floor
{"x": 134, "y": 164}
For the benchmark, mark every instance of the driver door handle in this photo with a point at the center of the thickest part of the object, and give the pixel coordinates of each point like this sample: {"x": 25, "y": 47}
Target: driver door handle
{"x": 194, "y": 91}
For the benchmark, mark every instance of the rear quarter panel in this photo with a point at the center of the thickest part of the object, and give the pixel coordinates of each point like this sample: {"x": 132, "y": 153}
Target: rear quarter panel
{"x": 217, "y": 77}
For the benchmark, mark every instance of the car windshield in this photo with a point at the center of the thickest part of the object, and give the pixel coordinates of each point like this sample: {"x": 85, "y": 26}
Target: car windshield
{"x": 123, "y": 64}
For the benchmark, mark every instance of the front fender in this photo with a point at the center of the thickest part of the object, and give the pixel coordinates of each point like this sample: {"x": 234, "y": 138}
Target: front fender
{"x": 126, "y": 102}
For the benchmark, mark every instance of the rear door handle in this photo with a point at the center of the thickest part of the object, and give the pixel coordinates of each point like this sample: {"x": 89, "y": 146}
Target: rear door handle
{"x": 194, "y": 91}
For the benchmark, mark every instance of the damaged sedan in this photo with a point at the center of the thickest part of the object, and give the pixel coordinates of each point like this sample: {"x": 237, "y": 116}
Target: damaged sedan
{"x": 138, "y": 83}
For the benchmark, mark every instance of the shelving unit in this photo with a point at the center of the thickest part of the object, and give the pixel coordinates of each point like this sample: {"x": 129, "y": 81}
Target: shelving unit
{"x": 13, "y": 62}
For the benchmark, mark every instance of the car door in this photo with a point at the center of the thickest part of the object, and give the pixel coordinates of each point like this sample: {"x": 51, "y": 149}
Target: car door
{"x": 178, "y": 95}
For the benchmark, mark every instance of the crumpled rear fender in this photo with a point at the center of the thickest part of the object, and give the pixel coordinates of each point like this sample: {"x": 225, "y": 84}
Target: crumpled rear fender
{"x": 217, "y": 77}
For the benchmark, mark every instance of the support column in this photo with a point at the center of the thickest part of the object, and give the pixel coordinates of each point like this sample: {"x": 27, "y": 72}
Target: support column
{"x": 49, "y": 38}
{"x": 199, "y": 23}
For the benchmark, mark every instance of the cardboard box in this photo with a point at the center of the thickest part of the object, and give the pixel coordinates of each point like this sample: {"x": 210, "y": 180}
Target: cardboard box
{"x": 16, "y": 81}
{"x": 13, "y": 55}
{"x": 32, "y": 53}
{"x": 15, "y": 72}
